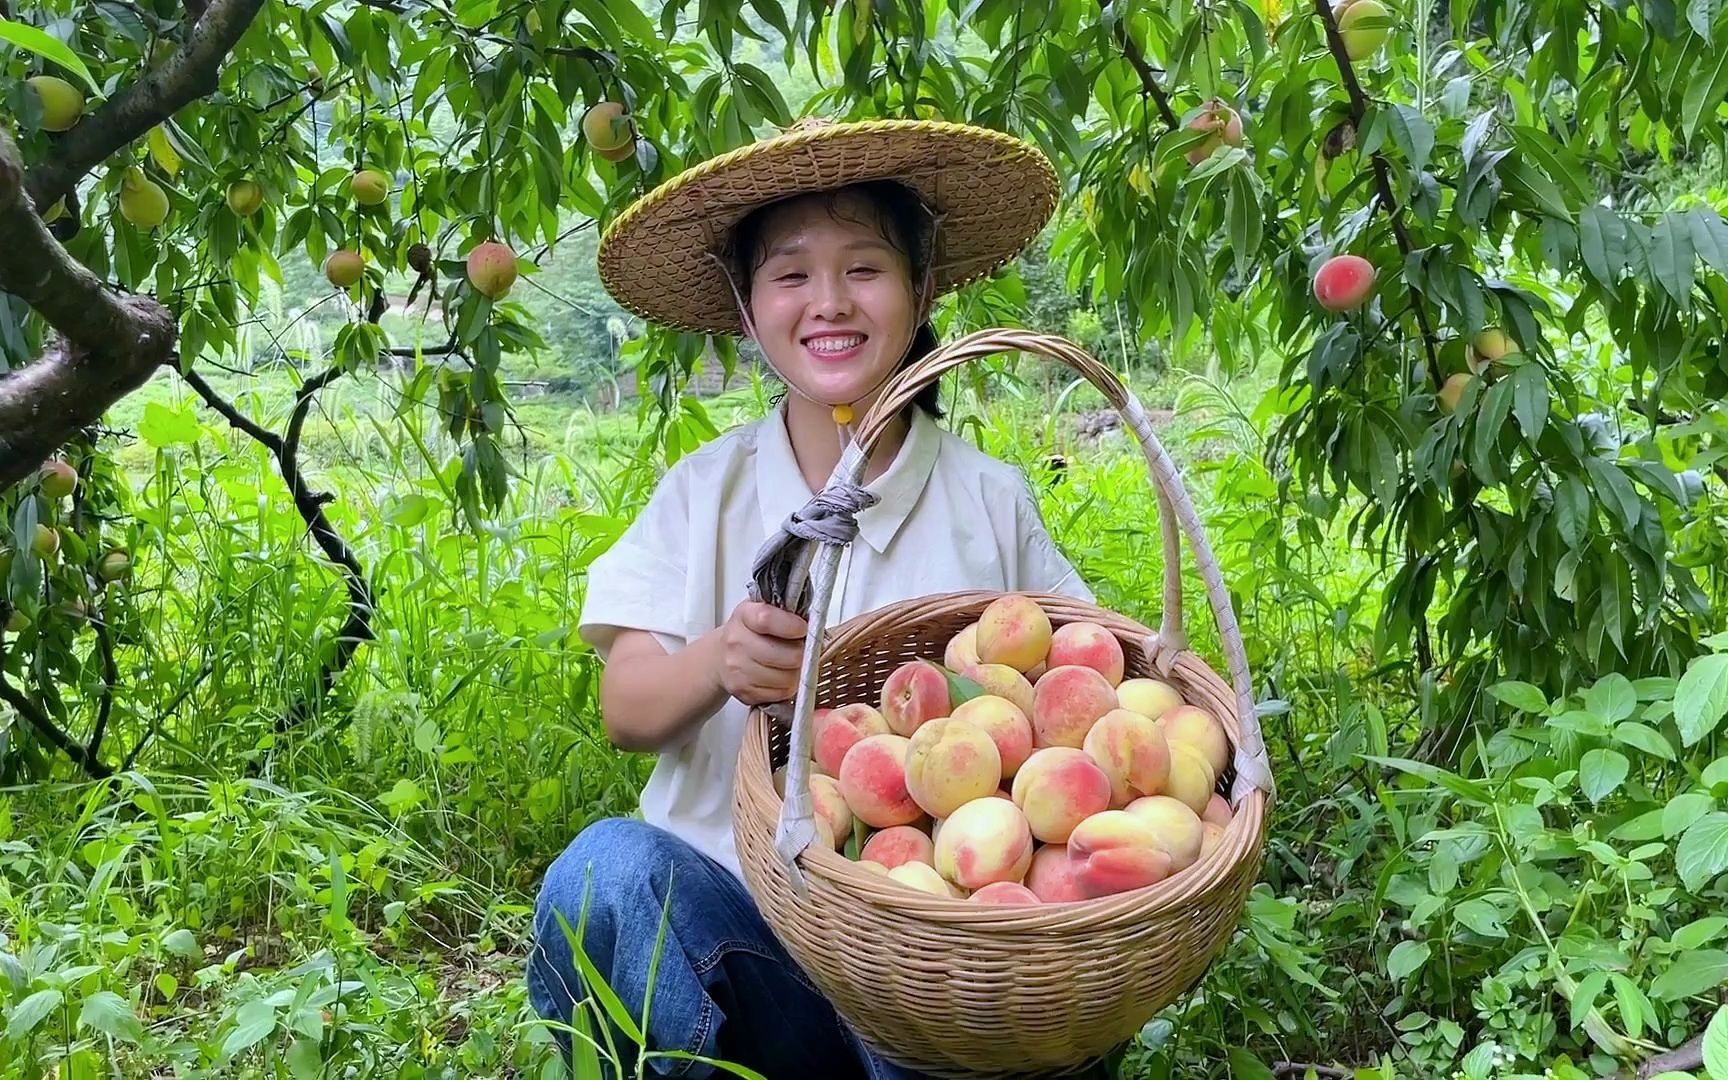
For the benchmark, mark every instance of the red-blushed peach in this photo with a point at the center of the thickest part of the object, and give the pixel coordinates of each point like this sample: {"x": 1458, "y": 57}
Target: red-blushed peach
{"x": 1114, "y": 852}
{"x": 1217, "y": 811}
{"x": 924, "y": 878}
{"x": 1211, "y": 835}
{"x": 1013, "y": 630}
{"x": 1148, "y": 697}
{"x": 1201, "y": 730}
{"x": 1066, "y": 703}
{"x": 899, "y": 844}
{"x": 949, "y": 763}
{"x": 833, "y": 816}
{"x": 1132, "y": 752}
{"x": 1002, "y": 681}
{"x": 1051, "y": 875}
{"x": 961, "y": 655}
{"x": 984, "y": 841}
{"x": 1177, "y": 827}
{"x": 1057, "y": 789}
{"x": 834, "y": 731}
{"x": 1005, "y": 892}
{"x": 1006, "y": 724}
{"x": 1086, "y": 644}
{"x": 873, "y": 781}
{"x": 1191, "y": 779}
{"x": 915, "y": 692}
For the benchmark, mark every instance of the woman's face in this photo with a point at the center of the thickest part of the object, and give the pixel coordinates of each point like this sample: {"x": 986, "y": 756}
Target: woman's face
{"x": 832, "y": 299}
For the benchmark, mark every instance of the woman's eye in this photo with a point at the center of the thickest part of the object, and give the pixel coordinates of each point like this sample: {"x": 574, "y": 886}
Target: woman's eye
{"x": 865, "y": 270}
{"x": 791, "y": 275}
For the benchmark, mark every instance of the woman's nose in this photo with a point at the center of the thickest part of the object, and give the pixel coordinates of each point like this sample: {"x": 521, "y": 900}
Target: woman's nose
{"x": 830, "y": 297}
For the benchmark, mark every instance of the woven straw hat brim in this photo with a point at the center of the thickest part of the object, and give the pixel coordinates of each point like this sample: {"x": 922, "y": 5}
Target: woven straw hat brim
{"x": 995, "y": 192}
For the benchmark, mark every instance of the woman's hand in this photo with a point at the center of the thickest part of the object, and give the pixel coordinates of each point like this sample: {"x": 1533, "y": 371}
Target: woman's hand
{"x": 761, "y": 649}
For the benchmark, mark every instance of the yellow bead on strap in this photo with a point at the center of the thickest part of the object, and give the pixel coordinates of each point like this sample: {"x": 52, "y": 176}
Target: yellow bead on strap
{"x": 842, "y": 414}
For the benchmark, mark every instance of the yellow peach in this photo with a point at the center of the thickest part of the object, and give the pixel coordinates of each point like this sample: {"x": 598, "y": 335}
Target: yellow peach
{"x": 1132, "y": 752}
{"x": 833, "y": 816}
{"x": 1066, "y": 703}
{"x": 1057, "y": 789}
{"x": 1200, "y": 729}
{"x": 1148, "y": 697}
{"x": 949, "y": 763}
{"x": 1191, "y": 779}
{"x": 1114, "y": 852}
{"x": 1177, "y": 827}
{"x": 961, "y": 655}
{"x": 984, "y": 841}
{"x": 1006, "y": 724}
{"x": 834, "y": 731}
{"x": 1013, "y": 630}
{"x": 924, "y": 878}
{"x": 873, "y": 781}
{"x": 899, "y": 844}
{"x": 1003, "y": 681}
{"x": 1051, "y": 876}
{"x": 1087, "y": 644}
{"x": 1005, "y": 892}
{"x": 915, "y": 692}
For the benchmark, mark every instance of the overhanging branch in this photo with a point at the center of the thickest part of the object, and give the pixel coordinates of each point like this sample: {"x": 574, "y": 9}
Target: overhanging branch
{"x": 1148, "y": 79}
{"x": 108, "y": 346}
{"x": 191, "y": 73}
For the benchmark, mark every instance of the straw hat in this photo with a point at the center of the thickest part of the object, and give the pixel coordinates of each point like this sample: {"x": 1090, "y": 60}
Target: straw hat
{"x": 992, "y": 192}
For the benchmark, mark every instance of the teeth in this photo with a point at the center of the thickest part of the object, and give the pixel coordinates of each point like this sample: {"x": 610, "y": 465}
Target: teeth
{"x": 836, "y": 344}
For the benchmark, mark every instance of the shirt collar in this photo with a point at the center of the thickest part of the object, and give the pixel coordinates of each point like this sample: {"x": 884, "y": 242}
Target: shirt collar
{"x": 781, "y": 489}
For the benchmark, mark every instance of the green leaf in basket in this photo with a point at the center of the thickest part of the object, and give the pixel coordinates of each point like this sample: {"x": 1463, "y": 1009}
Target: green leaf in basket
{"x": 960, "y": 688}
{"x": 855, "y": 842}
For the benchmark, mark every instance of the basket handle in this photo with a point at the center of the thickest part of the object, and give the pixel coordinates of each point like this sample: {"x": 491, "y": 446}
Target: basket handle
{"x": 1176, "y": 509}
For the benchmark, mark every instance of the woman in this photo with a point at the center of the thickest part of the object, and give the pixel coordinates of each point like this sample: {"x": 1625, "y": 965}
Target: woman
{"x": 826, "y": 246}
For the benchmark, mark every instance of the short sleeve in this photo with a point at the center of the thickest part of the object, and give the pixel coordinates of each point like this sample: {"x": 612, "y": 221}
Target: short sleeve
{"x": 639, "y": 583}
{"x": 1043, "y": 567}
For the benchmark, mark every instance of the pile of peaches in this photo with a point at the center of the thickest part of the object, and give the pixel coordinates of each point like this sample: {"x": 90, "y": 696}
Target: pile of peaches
{"x": 1022, "y": 769}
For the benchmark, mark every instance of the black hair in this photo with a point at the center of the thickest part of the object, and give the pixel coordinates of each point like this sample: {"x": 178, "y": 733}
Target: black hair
{"x": 903, "y": 222}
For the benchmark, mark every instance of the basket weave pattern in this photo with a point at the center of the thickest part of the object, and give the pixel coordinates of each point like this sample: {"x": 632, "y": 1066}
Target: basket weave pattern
{"x": 959, "y": 989}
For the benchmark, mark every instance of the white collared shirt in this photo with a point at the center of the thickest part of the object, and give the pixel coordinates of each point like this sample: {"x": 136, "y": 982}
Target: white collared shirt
{"x": 949, "y": 517}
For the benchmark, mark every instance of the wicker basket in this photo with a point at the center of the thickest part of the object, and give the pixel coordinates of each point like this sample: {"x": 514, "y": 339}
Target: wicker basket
{"x": 958, "y": 989}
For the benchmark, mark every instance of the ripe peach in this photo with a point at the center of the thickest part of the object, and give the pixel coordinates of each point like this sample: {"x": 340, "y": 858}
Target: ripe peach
{"x": 1114, "y": 852}
{"x": 1005, "y": 892}
{"x": 924, "y": 878}
{"x": 835, "y": 731}
{"x": 1192, "y": 780}
{"x": 1066, "y": 703}
{"x": 1013, "y": 630}
{"x": 1201, "y": 730}
{"x": 1036, "y": 672}
{"x": 1452, "y": 391}
{"x": 1057, "y": 789}
{"x": 492, "y": 269}
{"x": 1344, "y": 282}
{"x": 606, "y": 126}
{"x": 1148, "y": 697}
{"x": 1224, "y": 125}
{"x": 961, "y": 655}
{"x": 873, "y": 780}
{"x": 1177, "y": 827}
{"x": 899, "y": 844}
{"x": 949, "y": 763}
{"x": 1211, "y": 835}
{"x": 1004, "y": 682}
{"x": 833, "y": 816}
{"x": 1132, "y": 752}
{"x": 873, "y": 866}
{"x": 1051, "y": 876}
{"x": 916, "y": 691}
{"x": 983, "y": 841}
{"x": 1088, "y": 645}
{"x": 1217, "y": 811}
{"x": 1007, "y": 726}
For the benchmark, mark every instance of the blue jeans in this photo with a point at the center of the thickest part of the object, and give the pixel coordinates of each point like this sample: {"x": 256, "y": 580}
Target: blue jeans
{"x": 725, "y": 988}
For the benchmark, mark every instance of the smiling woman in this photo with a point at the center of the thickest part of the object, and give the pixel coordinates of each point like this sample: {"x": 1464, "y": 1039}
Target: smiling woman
{"x": 827, "y": 246}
